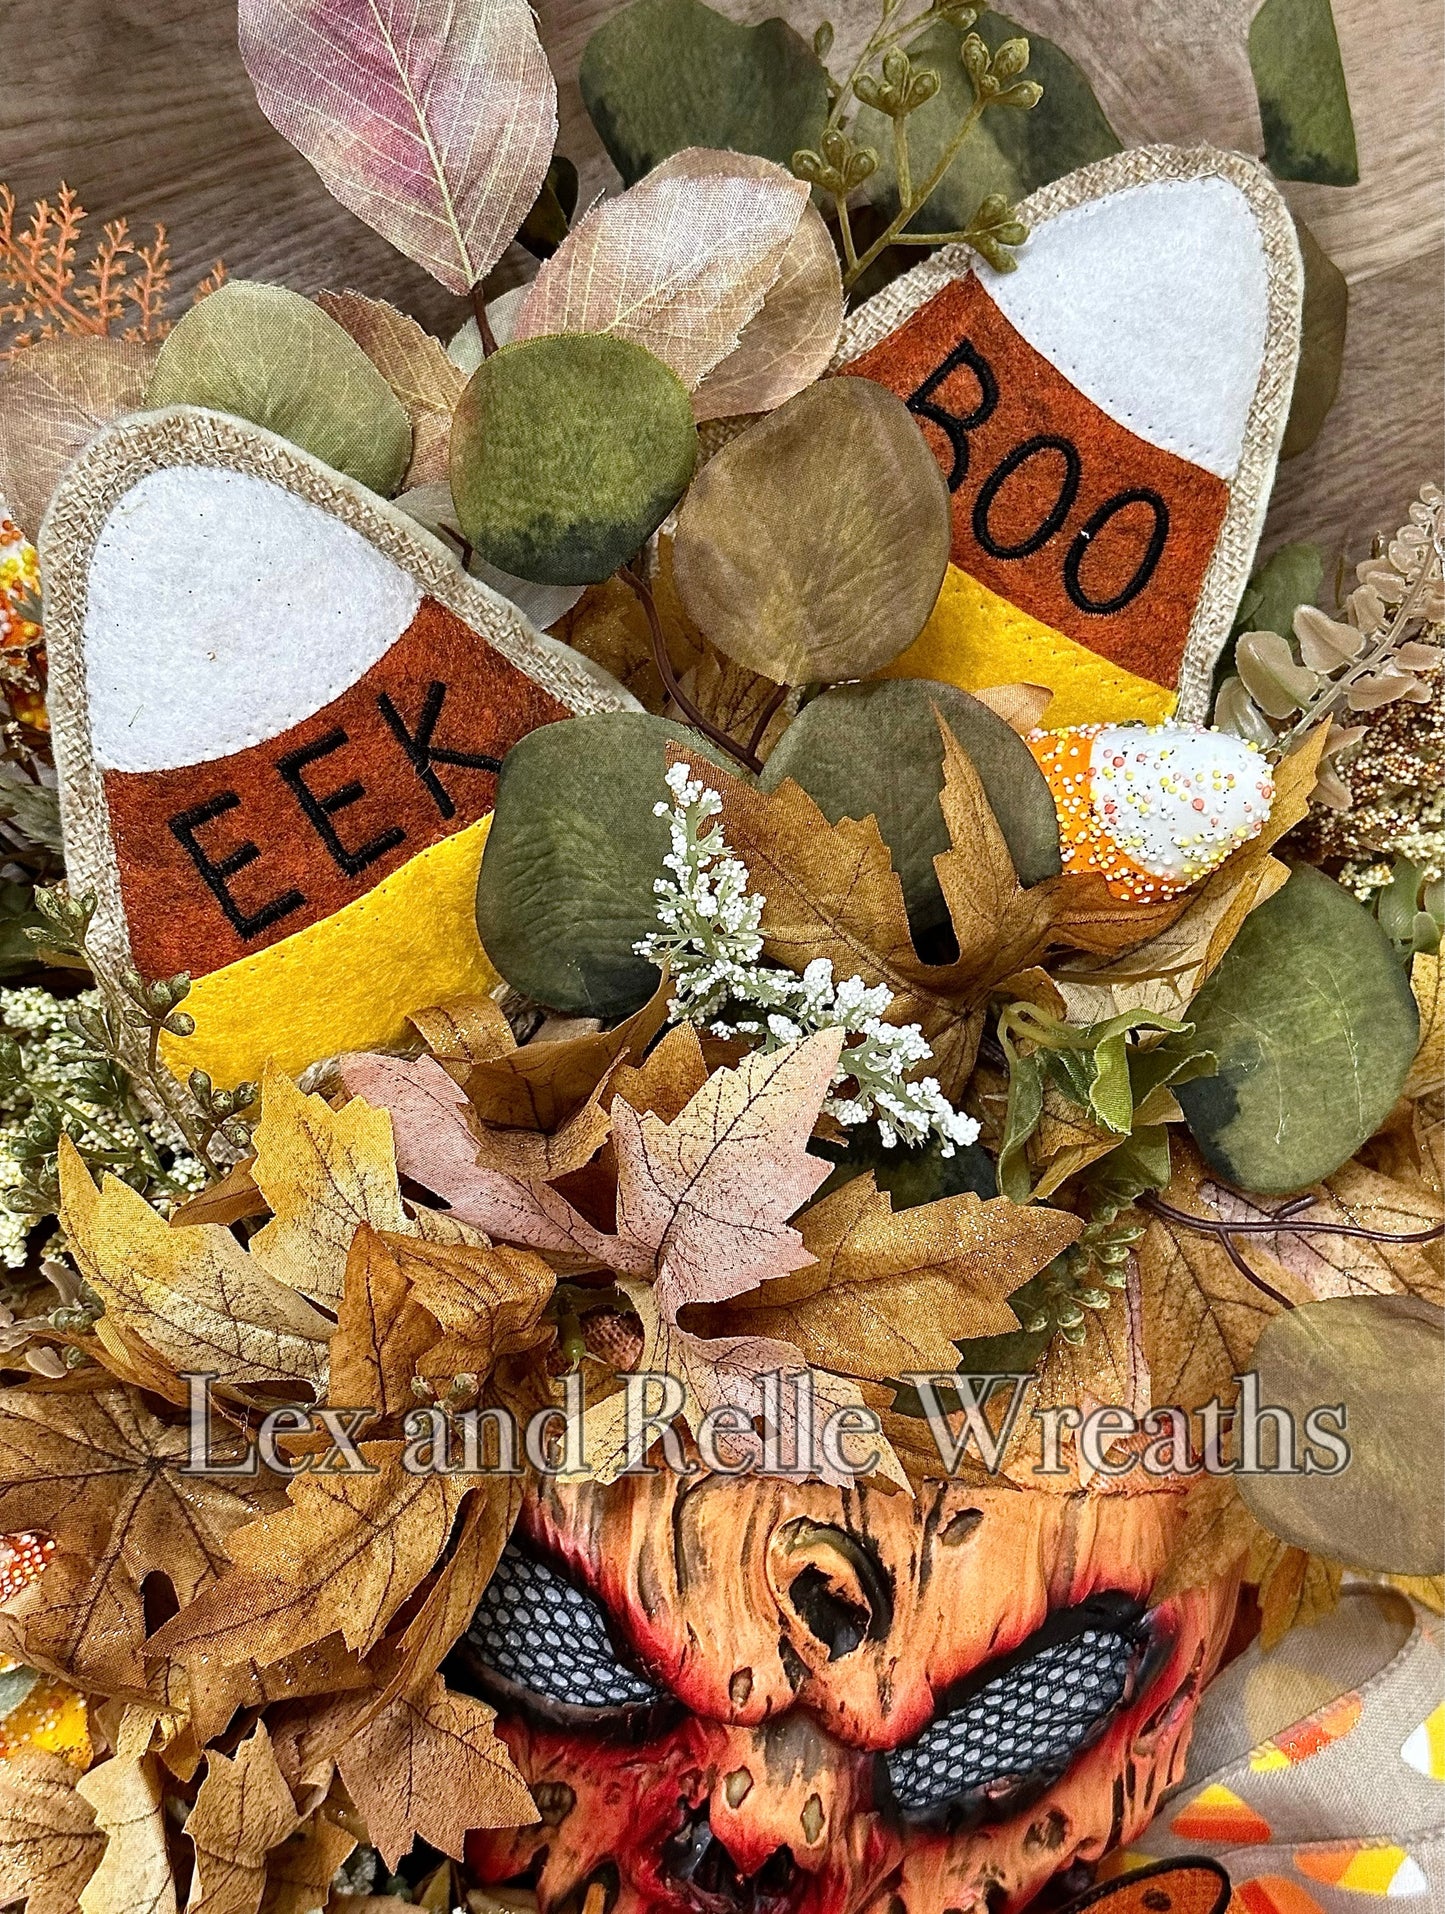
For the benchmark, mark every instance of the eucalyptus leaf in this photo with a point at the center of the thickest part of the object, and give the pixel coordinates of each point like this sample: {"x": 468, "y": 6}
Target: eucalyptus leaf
{"x": 813, "y": 545}
{"x": 1312, "y": 1020}
{"x": 1288, "y": 578}
{"x": 1008, "y": 152}
{"x": 567, "y": 453}
{"x": 574, "y": 849}
{"x": 270, "y": 356}
{"x": 15, "y": 1686}
{"x": 874, "y": 750}
{"x": 1381, "y": 1359}
{"x": 1322, "y": 345}
{"x": 662, "y": 75}
{"x": 1304, "y": 105}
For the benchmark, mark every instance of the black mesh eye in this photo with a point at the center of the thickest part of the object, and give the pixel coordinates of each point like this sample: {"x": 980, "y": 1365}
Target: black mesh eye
{"x": 537, "y": 1630}
{"x": 1019, "y": 1726}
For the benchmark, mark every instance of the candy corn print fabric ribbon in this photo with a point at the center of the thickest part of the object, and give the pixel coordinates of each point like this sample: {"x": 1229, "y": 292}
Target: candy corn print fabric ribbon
{"x": 1108, "y": 417}
{"x": 1317, "y": 1772}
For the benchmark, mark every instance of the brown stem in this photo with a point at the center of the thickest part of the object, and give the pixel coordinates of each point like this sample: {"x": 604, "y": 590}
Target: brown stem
{"x": 461, "y": 541}
{"x": 765, "y": 718}
{"x": 484, "y": 324}
{"x": 643, "y": 592}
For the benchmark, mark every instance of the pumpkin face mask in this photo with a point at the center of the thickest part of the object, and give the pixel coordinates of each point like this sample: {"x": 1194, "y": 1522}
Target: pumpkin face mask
{"x": 765, "y": 1695}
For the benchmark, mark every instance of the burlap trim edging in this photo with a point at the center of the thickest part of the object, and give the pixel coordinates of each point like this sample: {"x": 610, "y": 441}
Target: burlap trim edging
{"x": 1228, "y": 570}
{"x": 115, "y": 461}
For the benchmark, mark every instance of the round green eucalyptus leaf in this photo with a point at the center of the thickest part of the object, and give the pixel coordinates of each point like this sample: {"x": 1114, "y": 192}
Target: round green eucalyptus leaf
{"x": 567, "y": 453}
{"x": 1312, "y": 1020}
{"x": 268, "y": 355}
{"x": 662, "y": 75}
{"x": 566, "y": 884}
{"x": 1381, "y": 1359}
{"x": 813, "y": 545}
{"x": 876, "y": 750}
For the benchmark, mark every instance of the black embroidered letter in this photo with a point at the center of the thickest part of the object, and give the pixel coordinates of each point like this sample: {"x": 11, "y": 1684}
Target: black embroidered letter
{"x": 245, "y": 923}
{"x": 424, "y": 754}
{"x": 1052, "y": 519}
{"x": 1143, "y": 571}
{"x": 957, "y": 425}
{"x": 321, "y": 810}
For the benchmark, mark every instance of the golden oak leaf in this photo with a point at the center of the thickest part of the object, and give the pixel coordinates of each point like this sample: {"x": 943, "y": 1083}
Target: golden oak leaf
{"x": 1202, "y": 1315}
{"x": 242, "y": 1811}
{"x": 134, "y": 1875}
{"x": 49, "y": 1843}
{"x": 895, "y": 1290}
{"x": 489, "y": 1299}
{"x": 191, "y": 1294}
{"x": 1427, "y": 1073}
{"x": 539, "y": 1156}
{"x": 669, "y": 1076}
{"x": 463, "y": 1032}
{"x": 1295, "y": 1588}
{"x": 703, "y": 1201}
{"x": 729, "y": 1372}
{"x": 381, "y": 1331}
{"x": 213, "y": 1691}
{"x": 102, "y": 1474}
{"x": 300, "y": 1871}
{"x": 1216, "y": 1536}
{"x": 1065, "y": 1142}
{"x": 342, "y": 1556}
{"x": 1107, "y": 1367}
{"x": 324, "y": 1172}
{"x": 1351, "y": 1265}
{"x": 539, "y": 1086}
{"x": 415, "y": 366}
{"x": 233, "y": 1199}
{"x": 430, "y": 1765}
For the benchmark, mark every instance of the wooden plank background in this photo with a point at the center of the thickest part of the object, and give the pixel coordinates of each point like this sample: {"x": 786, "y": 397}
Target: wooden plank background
{"x": 144, "y": 108}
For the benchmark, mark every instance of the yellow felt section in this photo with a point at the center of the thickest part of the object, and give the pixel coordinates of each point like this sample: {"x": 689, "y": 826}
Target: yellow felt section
{"x": 349, "y": 982}
{"x": 975, "y": 638}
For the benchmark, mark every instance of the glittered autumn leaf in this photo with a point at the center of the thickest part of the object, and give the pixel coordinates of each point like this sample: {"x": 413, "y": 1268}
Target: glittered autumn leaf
{"x": 100, "y": 1472}
{"x": 895, "y": 1290}
{"x": 324, "y": 1172}
{"x": 343, "y": 1555}
{"x": 243, "y": 1810}
{"x": 543, "y": 1084}
{"x": 1427, "y": 1073}
{"x": 192, "y": 1294}
{"x": 434, "y": 123}
{"x": 1202, "y": 1314}
{"x": 679, "y": 263}
{"x": 134, "y": 1875}
{"x": 703, "y": 1202}
{"x": 49, "y": 1843}
{"x": 415, "y": 366}
{"x": 430, "y": 1765}
{"x": 1359, "y": 1198}
{"x": 1214, "y": 1540}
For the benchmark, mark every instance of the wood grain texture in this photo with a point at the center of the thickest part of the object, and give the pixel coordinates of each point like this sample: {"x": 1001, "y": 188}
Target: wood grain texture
{"x": 143, "y": 106}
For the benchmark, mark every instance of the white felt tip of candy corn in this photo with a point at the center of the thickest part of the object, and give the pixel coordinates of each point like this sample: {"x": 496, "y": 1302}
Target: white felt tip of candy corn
{"x": 1152, "y": 808}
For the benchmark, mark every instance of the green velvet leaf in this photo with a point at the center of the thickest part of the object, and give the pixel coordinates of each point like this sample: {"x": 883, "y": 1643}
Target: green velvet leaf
{"x": 567, "y": 453}
{"x": 1314, "y": 1026}
{"x": 665, "y": 74}
{"x": 1379, "y": 1357}
{"x": 813, "y": 545}
{"x": 566, "y": 884}
{"x": 874, "y": 750}
{"x": 1009, "y": 151}
{"x": 1288, "y": 578}
{"x": 1322, "y": 345}
{"x": 1304, "y": 106}
{"x": 268, "y": 355}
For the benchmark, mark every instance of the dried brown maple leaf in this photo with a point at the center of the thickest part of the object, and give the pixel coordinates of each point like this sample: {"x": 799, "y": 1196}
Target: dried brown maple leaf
{"x": 243, "y": 1810}
{"x": 1214, "y": 1540}
{"x": 668, "y": 1077}
{"x": 430, "y": 1765}
{"x": 382, "y": 1332}
{"x": 543, "y": 1084}
{"x": 894, "y": 1290}
{"x": 134, "y": 1875}
{"x": 342, "y": 1556}
{"x": 1295, "y": 1588}
{"x": 191, "y": 1294}
{"x": 300, "y": 1871}
{"x": 54, "y": 398}
{"x": 463, "y": 1032}
{"x": 1349, "y": 1265}
{"x": 1202, "y": 1315}
{"x": 1107, "y": 1367}
{"x": 49, "y": 1843}
{"x": 101, "y": 1473}
{"x": 489, "y": 1300}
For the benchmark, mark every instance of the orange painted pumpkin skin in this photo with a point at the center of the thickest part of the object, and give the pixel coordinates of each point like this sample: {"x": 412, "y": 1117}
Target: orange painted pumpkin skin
{"x": 803, "y": 1630}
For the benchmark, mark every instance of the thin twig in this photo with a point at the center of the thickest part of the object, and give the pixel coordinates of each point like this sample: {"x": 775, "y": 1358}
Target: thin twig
{"x": 765, "y": 718}
{"x": 643, "y": 592}
{"x": 484, "y": 324}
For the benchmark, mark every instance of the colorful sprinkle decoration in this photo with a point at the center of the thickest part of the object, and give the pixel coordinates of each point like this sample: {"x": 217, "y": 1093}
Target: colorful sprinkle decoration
{"x": 1152, "y": 808}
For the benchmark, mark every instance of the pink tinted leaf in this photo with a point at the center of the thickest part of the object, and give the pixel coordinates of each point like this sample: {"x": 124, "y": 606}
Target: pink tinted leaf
{"x": 437, "y": 1146}
{"x": 679, "y": 263}
{"x": 433, "y": 120}
{"x": 703, "y": 1202}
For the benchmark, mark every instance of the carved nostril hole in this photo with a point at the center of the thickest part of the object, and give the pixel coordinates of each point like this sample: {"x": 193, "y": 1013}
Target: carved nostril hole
{"x": 833, "y": 1583}
{"x": 959, "y": 1527}
{"x": 838, "y": 1623}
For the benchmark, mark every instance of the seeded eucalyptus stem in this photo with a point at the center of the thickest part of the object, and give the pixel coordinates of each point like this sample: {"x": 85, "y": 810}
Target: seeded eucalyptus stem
{"x": 910, "y": 204}
{"x": 900, "y": 160}
{"x": 882, "y": 37}
{"x": 642, "y": 591}
{"x": 845, "y": 233}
